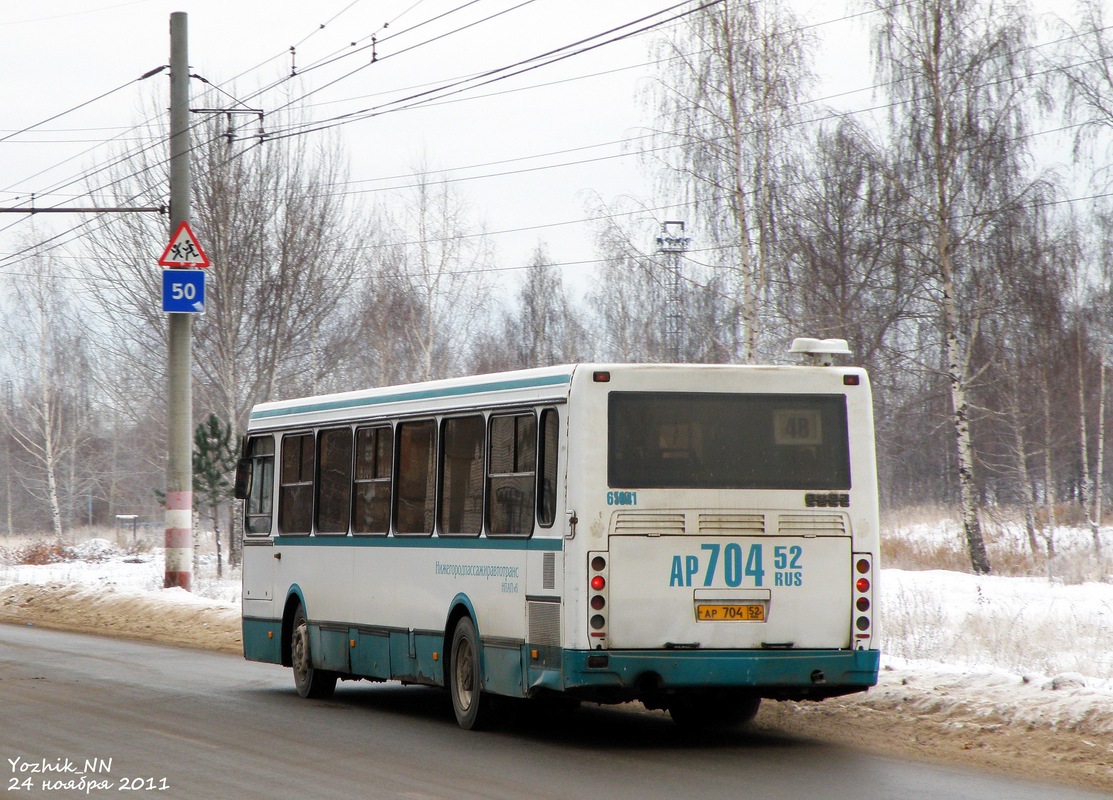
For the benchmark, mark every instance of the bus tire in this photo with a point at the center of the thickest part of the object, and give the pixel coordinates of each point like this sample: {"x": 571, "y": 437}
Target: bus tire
{"x": 697, "y": 710}
{"x": 473, "y": 707}
{"x": 310, "y": 682}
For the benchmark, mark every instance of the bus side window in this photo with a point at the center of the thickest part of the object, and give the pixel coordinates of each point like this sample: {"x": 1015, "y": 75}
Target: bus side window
{"x": 547, "y": 468}
{"x": 374, "y": 465}
{"x": 417, "y": 475}
{"x": 260, "y": 498}
{"x": 461, "y": 506}
{"x": 295, "y": 493}
{"x": 334, "y": 480}
{"x": 512, "y": 465}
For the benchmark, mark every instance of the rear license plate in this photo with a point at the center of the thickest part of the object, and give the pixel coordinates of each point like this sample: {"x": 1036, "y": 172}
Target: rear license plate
{"x": 730, "y": 612}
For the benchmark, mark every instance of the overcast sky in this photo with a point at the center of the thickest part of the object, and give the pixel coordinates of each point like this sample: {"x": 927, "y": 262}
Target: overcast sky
{"x": 528, "y": 151}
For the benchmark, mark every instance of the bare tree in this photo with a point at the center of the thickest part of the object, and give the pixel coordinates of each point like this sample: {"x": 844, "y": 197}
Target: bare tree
{"x": 1085, "y": 64}
{"x": 539, "y": 329}
{"x": 283, "y": 258}
{"x": 844, "y": 273}
{"x": 46, "y": 349}
{"x": 955, "y": 70}
{"x": 379, "y": 352}
{"x": 628, "y": 301}
{"x": 729, "y": 92}
{"x": 433, "y": 265}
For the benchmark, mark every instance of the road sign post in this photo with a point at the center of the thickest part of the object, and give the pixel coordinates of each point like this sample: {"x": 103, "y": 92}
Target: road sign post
{"x": 178, "y": 552}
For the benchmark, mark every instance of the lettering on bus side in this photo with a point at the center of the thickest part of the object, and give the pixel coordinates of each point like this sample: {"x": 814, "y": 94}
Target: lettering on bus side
{"x": 622, "y": 498}
{"x": 735, "y": 565}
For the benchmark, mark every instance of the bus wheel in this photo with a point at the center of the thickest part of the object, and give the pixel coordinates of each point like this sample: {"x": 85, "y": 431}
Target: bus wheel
{"x": 310, "y": 682}
{"x": 472, "y": 706}
{"x": 711, "y": 710}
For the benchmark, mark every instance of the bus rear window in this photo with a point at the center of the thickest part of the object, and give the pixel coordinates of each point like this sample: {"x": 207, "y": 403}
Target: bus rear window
{"x": 727, "y": 441}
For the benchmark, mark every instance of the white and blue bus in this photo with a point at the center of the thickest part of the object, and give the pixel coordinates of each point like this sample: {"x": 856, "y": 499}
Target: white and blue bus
{"x": 693, "y": 537}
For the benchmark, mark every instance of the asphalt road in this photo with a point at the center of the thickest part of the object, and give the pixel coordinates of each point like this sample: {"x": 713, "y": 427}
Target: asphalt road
{"x": 84, "y": 716}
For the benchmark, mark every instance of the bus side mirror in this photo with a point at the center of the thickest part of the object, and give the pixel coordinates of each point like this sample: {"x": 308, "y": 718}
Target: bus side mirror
{"x": 243, "y": 479}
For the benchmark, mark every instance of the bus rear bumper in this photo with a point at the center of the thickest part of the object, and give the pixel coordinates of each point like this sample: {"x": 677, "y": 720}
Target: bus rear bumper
{"x": 780, "y": 674}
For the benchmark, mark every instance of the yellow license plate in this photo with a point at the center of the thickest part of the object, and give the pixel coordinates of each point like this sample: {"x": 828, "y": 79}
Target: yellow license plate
{"x": 730, "y": 612}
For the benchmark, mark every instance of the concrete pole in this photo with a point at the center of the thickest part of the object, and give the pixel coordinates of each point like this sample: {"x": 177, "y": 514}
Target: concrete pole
{"x": 179, "y": 461}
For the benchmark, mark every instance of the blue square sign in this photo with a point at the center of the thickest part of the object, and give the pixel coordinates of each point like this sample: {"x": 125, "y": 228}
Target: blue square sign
{"x": 183, "y": 291}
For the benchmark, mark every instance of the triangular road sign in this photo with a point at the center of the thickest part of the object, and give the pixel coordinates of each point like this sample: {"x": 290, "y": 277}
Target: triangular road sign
{"x": 184, "y": 250}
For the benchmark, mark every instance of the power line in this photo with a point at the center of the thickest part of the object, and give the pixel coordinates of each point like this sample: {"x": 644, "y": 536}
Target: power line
{"x": 549, "y": 167}
{"x": 491, "y": 76}
{"x": 87, "y": 175}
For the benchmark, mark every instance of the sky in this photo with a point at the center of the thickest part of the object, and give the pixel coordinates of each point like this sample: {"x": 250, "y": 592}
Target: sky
{"x": 530, "y": 154}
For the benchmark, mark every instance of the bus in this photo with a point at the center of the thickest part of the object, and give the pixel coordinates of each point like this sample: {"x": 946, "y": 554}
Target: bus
{"x": 693, "y": 537}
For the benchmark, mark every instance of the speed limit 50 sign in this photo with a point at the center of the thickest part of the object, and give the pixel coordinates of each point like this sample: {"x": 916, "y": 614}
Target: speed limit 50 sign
{"x": 183, "y": 291}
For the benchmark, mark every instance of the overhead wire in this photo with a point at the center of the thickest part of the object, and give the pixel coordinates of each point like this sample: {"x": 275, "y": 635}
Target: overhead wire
{"x": 132, "y": 154}
{"x": 376, "y": 59}
{"x": 85, "y": 176}
{"x": 547, "y": 167}
{"x": 487, "y": 77}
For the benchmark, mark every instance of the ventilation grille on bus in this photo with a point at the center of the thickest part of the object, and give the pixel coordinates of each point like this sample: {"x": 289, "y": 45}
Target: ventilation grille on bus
{"x": 741, "y": 524}
{"x": 548, "y": 571}
{"x": 544, "y": 622}
{"x": 634, "y": 522}
{"x": 815, "y": 524}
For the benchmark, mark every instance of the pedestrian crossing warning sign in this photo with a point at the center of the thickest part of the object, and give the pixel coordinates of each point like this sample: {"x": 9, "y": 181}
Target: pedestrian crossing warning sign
{"x": 184, "y": 250}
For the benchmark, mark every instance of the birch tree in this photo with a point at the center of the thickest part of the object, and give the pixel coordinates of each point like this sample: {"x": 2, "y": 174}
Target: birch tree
{"x": 628, "y": 302}
{"x": 435, "y": 258}
{"x": 539, "y": 329}
{"x": 955, "y": 70}
{"x": 1085, "y": 65}
{"x": 732, "y": 80}
{"x": 45, "y": 345}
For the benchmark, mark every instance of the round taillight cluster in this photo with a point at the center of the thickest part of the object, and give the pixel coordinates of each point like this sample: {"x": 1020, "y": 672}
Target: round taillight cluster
{"x": 597, "y": 597}
{"x": 863, "y": 598}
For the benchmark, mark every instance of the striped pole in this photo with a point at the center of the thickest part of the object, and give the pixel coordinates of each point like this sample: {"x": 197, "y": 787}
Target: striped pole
{"x": 179, "y": 540}
{"x": 179, "y": 418}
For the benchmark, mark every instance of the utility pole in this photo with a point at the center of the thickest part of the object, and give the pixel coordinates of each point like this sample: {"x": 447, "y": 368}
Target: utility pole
{"x": 179, "y": 461}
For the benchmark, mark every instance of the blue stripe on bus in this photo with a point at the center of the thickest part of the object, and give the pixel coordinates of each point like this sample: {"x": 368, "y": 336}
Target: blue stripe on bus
{"x": 417, "y": 394}
{"x": 445, "y": 542}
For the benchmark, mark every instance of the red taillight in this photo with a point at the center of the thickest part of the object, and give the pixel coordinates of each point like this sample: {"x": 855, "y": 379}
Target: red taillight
{"x": 601, "y": 377}
{"x": 597, "y": 586}
{"x": 863, "y": 625}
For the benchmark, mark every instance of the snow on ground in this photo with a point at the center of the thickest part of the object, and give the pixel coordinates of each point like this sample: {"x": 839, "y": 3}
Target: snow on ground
{"x": 980, "y": 650}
